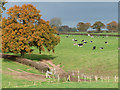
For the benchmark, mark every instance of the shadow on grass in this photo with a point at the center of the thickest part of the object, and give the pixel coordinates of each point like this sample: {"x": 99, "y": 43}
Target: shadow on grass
{"x": 6, "y": 60}
{"x": 39, "y": 57}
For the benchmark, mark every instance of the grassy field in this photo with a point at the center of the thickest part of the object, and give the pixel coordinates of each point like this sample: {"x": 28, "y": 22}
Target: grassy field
{"x": 10, "y": 81}
{"x": 18, "y": 83}
{"x": 91, "y": 62}
{"x": 102, "y": 62}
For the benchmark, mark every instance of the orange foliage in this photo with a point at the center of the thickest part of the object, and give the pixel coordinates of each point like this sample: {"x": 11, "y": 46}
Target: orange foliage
{"x": 112, "y": 26}
{"x": 25, "y": 28}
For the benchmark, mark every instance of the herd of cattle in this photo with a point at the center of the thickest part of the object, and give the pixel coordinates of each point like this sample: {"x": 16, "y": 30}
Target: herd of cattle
{"x": 83, "y": 42}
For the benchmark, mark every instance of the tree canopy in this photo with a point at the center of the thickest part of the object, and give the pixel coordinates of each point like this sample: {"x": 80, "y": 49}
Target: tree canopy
{"x": 98, "y": 26}
{"x": 24, "y": 28}
{"x": 55, "y": 22}
{"x": 112, "y": 26}
{"x": 83, "y": 27}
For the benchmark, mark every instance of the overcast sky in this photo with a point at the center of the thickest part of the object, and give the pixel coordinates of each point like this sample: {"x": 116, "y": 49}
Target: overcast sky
{"x": 73, "y": 12}
{"x": 63, "y": 0}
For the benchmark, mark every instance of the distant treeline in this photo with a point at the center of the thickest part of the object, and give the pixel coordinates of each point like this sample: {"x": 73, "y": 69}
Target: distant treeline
{"x": 97, "y": 27}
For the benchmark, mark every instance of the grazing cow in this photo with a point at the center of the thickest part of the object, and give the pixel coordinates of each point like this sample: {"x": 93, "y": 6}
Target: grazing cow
{"x": 92, "y": 36}
{"x": 88, "y": 34}
{"x": 85, "y": 42}
{"x": 101, "y": 48}
{"x": 106, "y": 42}
{"x": 75, "y": 44}
{"x": 66, "y": 36}
{"x": 58, "y": 34}
{"x": 91, "y": 41}
{"x": 80, "y": 45}
{"x": 75, "y": 40}
{"x": 94, "y": 47}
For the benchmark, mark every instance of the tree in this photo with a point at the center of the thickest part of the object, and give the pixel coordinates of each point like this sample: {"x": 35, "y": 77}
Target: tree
{"x": 24, "y": 28}
{"x": 87, "y": 25}
{"x": 112, "y": 26}
{"x": 83, "y": 26}
{"x": 64, "y": 28}
{"x": 98, "y": 26}
{"x": 55, "y": 22}
{"x": 74, "y": 29}
{"x": 2, "y": 3}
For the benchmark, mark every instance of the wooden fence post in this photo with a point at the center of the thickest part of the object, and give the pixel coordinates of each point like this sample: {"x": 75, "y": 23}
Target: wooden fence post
{"x": 68, "y": 79}
{"x": 58, "y": 78}
{"x": 42, "y": 71}
{"x": 78, "y": 78}
{"x": 54, "y": 70}
{"x": 115, "y": 79}
{"x": 46, "y": 75}
{"x": 73, "y": 73}
{"x": 96, "y": 78}
{"x": 78, "y": 72}
{"x": 34, "y": 83}
{"x": 84, "y": 77}
{"x": 9, "y": 83}
{"x": 108, "y": 78}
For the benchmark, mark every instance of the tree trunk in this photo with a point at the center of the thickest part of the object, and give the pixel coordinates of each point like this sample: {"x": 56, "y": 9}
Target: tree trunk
{"x": 22, "y": 53}
{"x": 99, "y": 29}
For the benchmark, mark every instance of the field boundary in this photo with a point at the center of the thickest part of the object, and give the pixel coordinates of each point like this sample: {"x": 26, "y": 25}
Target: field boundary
{"x": 90, "y": 34}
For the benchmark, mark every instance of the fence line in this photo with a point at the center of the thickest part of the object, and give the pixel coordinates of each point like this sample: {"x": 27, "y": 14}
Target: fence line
{"x": 90, "y": 34}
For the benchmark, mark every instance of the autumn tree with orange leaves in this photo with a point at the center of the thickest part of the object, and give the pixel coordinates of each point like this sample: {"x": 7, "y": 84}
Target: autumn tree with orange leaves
{"x": 83, "y": 27}
{"x": 24, "y": 28}
{"x": 112, "y": 26}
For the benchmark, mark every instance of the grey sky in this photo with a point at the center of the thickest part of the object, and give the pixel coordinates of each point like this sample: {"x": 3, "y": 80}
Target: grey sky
{"x": 73, "y": 12}
{"x": 63, "y": 0}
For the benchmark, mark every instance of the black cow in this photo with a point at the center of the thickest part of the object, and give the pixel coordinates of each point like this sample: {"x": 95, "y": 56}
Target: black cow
{"x": 80, "y": 45}
{"x": 101, "y": 48}
{"x": 106, "y": 42}
{"x": 66, "y": 36}
{"x": 85, "y": 42}
{"x": 75, "y": 40}
{"x": 94, "y": 47}
{"x": 91, "y": 41}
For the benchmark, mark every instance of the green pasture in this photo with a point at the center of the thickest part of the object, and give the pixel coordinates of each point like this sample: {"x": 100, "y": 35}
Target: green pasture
{"x": 100, "y": 62}
{"x": 72, "y": 58}
{"x": 9, "y": 82}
